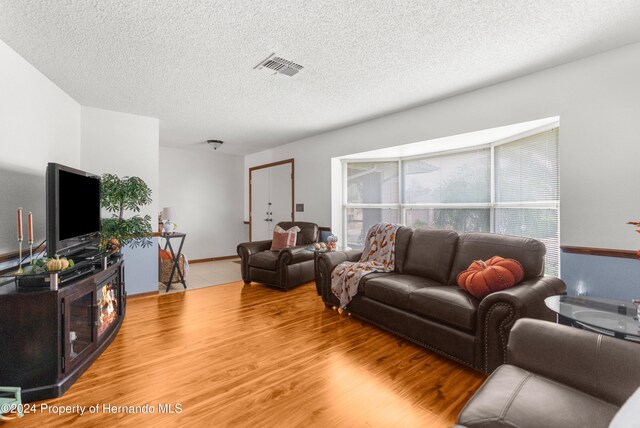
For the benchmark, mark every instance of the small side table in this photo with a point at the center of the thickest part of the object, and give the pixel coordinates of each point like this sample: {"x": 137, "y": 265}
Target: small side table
{"x": 175, "y": 256}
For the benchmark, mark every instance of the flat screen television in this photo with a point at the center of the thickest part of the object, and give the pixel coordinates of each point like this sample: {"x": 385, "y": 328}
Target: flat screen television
{"x": 73, "y": 210}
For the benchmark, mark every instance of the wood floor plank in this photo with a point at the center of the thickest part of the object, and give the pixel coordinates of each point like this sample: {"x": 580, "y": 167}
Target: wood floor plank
{"x": 249, "y": 356}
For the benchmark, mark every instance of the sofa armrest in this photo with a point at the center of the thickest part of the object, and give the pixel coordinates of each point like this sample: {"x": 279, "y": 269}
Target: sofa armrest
{"x": 245, "y": 250}
{"x": 601, "y": 366}
{"x": 326, "y": 263}
{"x": 499, "y": 311}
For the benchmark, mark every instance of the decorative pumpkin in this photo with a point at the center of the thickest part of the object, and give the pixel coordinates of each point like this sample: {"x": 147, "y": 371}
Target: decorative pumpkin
{"x": 57, "y": 264}
{"x": 112, "y": 245}
{"x": 164, "y": 254}
{"x": 483, "y": 278}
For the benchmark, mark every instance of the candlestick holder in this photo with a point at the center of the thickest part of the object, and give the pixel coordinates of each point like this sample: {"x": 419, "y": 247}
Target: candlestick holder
{"x": 31, "y": 252}
{"x": 19, "y": 271}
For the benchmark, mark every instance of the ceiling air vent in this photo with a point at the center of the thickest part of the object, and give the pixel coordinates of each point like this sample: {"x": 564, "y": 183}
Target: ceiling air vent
{"x": 275, "y": 64}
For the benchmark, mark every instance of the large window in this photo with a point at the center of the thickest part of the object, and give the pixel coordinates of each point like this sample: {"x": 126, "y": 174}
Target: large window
{"x": 509, "y": 187}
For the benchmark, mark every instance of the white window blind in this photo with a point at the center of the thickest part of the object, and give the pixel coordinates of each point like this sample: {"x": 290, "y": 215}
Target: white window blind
{"x": 458, "y": 219}
{"x": 372, "y": 197}
{"x": 527, "y": 192}
{"x": 372, "y": 182}
{"x": 360, "y": 220}
{"x": 454, "y": 178}
{"x": 454, "y": 191}
{"x": 526, "y": 170}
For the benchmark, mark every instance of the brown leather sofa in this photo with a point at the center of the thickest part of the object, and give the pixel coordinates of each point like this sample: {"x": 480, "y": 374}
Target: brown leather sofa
{"x": 556, "y": 376}
{"x": 420, "y": 300}
{"x": 283, "y": 269}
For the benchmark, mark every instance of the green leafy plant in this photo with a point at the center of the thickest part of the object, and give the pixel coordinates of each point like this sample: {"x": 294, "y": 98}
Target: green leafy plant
{"x": 120, "y": 195}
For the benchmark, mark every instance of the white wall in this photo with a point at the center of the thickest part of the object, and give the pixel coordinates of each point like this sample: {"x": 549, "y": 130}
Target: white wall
{"x": 39, "y": 123}
{"x": 122, "y": 144}
{"x": 597, "y": 101}
{"x": 126, "y": 145}
{"x": 205, "y": 188}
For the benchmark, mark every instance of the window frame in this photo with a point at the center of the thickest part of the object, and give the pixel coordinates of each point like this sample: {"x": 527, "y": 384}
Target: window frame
{"x": 403, "y": 207}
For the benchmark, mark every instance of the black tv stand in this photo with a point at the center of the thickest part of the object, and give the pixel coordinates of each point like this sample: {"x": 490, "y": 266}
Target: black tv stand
{"x": 52, "y": 337}
{"x": 88, "y": 253}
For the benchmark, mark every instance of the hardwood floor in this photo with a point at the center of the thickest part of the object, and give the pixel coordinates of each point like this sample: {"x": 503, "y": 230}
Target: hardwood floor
{"x": 236, "y": 355}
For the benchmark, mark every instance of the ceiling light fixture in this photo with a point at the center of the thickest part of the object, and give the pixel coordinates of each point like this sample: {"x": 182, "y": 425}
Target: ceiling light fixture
{"x": 215, "y": 143}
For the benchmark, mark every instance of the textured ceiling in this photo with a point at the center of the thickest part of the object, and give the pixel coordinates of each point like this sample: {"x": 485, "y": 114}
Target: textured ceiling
{"x": 190, "y": 63}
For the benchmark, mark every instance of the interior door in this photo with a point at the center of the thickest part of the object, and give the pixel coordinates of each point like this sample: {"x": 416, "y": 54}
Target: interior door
{"x": 280, "y": 194}
{"x": 271, "y": 190}
{"x": 260, "y": 205}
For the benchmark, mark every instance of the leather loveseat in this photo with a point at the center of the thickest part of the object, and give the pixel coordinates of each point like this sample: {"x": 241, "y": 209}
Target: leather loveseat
{"x": 282, "y": 269}
{"x": 556, "y": 376}
{"x": 421, "y": 301}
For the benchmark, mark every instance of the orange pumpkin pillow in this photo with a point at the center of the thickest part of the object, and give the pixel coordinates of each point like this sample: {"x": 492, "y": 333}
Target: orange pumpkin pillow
{"x": 484, "y": 278}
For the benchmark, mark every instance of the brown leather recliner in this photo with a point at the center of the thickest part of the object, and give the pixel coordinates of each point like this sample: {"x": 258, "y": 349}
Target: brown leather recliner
{"x": 556, "y": 376}
{"x": 283, "y": 269}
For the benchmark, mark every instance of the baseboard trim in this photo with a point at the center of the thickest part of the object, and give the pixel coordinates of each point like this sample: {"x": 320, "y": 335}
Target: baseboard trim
{"x": 142, "y": 295}
{"x": 606, "y": 252}
{"x": 213, "y": 259}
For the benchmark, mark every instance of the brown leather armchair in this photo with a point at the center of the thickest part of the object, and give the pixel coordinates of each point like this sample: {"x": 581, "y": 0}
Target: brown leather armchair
{"x": 556, "y": 376}
{"x": 282, "y": 269}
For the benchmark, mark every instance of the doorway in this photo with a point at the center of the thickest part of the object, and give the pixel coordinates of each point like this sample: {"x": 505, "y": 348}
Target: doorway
{"x": 270, "y": 198}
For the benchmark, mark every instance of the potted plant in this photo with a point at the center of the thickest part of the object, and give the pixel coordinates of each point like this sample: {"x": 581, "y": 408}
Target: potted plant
{"x": 120, "y": 195}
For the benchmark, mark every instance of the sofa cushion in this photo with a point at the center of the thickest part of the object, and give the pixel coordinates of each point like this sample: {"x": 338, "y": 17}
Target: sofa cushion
{"x": 512, "y": 397}
{"x": 447, "y": 304}
{"x": 430, "y": 254}
{"x": 309, "y": 232}
{"x": 403, "y": 238}
{"x": 368, "y": 277}
{"x": 393, "y": 289}
{"x": 264, "y": 260}
{"x": 473, "y": 246}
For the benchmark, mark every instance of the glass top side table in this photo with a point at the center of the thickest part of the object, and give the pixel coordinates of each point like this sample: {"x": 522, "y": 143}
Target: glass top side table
{"x": 610, "y": 317}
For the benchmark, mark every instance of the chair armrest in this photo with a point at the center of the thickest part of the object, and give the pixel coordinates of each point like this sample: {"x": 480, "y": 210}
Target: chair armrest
{"x": 499, "y": 311}
{"x": 293, "y": 255}
{"x": 326, "y": 263}
{"x": 245, "y": 250}
{"x": 602, "y": 366}
{"x": 254, "y": 247}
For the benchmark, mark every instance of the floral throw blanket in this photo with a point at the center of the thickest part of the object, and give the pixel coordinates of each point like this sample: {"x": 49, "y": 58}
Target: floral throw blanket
{"x": 379, "y": 255}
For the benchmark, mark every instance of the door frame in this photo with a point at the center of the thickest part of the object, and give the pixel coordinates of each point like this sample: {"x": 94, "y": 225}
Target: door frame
{"x": 269, "y": 165}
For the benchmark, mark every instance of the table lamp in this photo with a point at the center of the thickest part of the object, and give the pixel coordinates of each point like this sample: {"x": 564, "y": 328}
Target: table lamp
{"x": 168, "y": 215}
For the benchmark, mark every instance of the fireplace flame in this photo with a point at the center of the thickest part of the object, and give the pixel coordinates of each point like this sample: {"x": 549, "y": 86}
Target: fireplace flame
{"x": 108, "y": 304}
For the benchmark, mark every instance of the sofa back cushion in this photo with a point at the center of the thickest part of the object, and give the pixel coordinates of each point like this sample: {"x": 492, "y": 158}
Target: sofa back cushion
{"x": 430, "y": 253}
{"x": 308, "y": 231}
{"x": 403, "y": 238}
{"x": 477, "y": 245}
